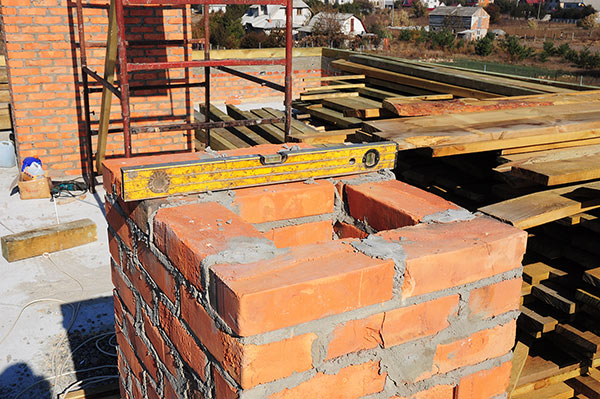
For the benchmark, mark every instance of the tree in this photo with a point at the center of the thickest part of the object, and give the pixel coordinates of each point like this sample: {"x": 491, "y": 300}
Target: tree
{"x": 589, "y": 22}
{"x": 484, "y": 46}
{"x": 418, "y": 8}
{"x": 494, "y": 11}
{"x": 515, "y": 50}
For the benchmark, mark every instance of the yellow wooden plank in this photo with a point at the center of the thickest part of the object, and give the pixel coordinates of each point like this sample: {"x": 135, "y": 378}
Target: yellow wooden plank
{"x": 48, "y": 239}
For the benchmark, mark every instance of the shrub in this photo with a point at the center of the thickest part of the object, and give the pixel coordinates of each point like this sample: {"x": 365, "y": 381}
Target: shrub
{"x": 484, "y": 46}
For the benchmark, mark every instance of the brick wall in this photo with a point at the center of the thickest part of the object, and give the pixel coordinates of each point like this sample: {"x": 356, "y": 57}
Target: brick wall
{"x": 44, "y": 74}
{"x": 274, "y": 292}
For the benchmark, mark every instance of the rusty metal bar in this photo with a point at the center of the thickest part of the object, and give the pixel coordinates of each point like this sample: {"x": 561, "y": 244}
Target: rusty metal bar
{"x": 206, "y": 11}
{"x": 89, "y": 169}
{"x": 252, "y": 78}
{"x": 101, "y": 80}
{"x": 149, "y": 66}
{"x": 204, "y": 125}
{"x": 123, "y": 78}
{"x": 155, "y": 87}
{"x": 149, "y": 43}
{"x": 204, "y": 2}
{"x": 288, "y": 70}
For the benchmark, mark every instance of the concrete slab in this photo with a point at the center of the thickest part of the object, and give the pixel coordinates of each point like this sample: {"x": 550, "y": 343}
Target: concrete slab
{"x": 40, "y": 296}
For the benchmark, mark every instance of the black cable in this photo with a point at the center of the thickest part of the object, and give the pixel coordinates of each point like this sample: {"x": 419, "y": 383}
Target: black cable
{"x": 68, "y": 188}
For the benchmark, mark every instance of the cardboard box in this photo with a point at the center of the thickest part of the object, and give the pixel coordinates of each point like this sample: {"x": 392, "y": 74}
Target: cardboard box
{"x": 37, "y": 188}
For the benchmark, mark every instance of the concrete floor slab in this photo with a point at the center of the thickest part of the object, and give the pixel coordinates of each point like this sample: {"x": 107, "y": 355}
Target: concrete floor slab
{"x": 40, "y": 295}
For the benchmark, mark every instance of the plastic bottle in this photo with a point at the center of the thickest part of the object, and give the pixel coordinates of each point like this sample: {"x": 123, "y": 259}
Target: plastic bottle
{"x": 7, "y": 154}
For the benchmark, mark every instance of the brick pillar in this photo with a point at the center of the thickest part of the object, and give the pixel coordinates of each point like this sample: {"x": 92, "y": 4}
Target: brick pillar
{"x": 45, "y": 77}
{"x": 364, "y": 286}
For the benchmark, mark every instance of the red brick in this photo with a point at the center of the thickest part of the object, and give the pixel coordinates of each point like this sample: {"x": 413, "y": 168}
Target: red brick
{"x": 392, "y": 204}
{"x": 482, "y": 345}
{"x": 395, "y": 327}
{"x": 223, "y": 390}
{"x": 350, "y": 382}
{"x": 122, "y": 289}
{"x": 160, "y": 347}
{"x": 435, "y": 392}
{"x": 249, "y": 365}
{"x": 420, "y": 320}
{"x": 356, "y": 335}
{"x": 169, "y": 390}
{"x": 138, "y": 281}
{"x": 118, "y": 223}
{"x": 118, "y": 309}
{"x": 187, "y": 234}
{"x": 280, "y": 292}
{"x": 440, "y": 256}
{"x": 113, "y": 247}
{"x": 495, "y": 299}
{"x": 187, "y": 348}
{"x": 129, "y": 356}
{"x": 157, "y": 271}
{"x": 485, "y": 384}
{"x": 345, "y": 230}
{"x": 284, "y": 201}
{"x": 301, "y": 234}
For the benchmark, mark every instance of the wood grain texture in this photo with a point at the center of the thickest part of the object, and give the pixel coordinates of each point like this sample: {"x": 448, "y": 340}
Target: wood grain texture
{"x": 35, "y": 242}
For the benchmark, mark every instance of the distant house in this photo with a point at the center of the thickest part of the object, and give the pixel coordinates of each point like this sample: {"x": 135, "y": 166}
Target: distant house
{"x": 265, "y": 18}
{"x": 470, "y": 22}
{"x": 429, "y": 4}
{"x": 484, "y": 3}
{"x": 349, "y": 24}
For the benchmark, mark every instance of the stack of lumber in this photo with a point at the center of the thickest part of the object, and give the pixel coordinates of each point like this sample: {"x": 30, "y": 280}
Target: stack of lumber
{"x": 5, "y": 119}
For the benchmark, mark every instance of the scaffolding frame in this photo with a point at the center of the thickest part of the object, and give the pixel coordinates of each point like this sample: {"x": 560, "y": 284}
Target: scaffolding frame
{"x": 116, "y": 55}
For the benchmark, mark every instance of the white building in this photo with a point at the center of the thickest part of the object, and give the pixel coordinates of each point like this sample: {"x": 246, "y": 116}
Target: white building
{"x": 349, "y": 24}
{"x": 268, "y": 17}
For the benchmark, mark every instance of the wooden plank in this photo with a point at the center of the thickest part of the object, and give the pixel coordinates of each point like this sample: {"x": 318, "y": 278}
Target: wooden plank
{"x": 527, "y": 158}
{"x": 335, "y": 87}
{"x": 553, "y": 298}
{"x": 329, "y": 78}
{"x": 322, "y": 96}
{"x": 48, "y": 239}
{"x": 559, "y": 390}
{"x": 358, "y": 107}
{"x": 560, "y": 172}
{"x": 587, "y": 341}
{"x": 408, "y": 80}
{"x": 520, "y": 354}
{"x": 543, "y": 207}
{"x": 534, "y": 323}
{"x": 586, "y": 385}
{"x": 275, "y": 52}
{"x": 264, "y": 114}
{"x": 221, "y": 139}
{"x": 270, "y": 133}
{"x": 415, "y": 91}
{"x": 476, "y": 82}
{"x": 242, "y": 132}
{"x": 333, "y": 117}
{"x": 110, "y": 63}
{"x": 327, "y": 137}
{"x": 592, "y": 276}
{"x": 536, "y": 272}
{"x": 377, "y": 94}
{"x": 297, "y": 126}
{"x": 551, "y": 146}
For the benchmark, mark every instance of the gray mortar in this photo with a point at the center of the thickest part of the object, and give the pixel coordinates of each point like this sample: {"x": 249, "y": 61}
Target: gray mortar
{"x": 449, "y": 216}
{"x": 375, "y": 177}
{"x": 341, "y": 214}
{"x": 266, "y": 226}
{"x": 380, "y": 248}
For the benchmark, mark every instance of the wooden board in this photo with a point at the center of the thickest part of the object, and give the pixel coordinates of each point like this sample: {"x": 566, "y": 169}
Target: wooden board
{"x": 335, "y": 87}
{"x": 322, "y": 96}
{"x": 563, "y": 171}
{"x": 551, "y": 146}
{"x": 327, "y": 137}
{"x": 329, "y": 78}
{"x": 586, "y": 385}
{"x": 543, "y": 207}
{"x": 107, "y": 391}
{"x": 592, "y": 276}
{"x": 358, "y": 107}
{"x": 537, "y": 272}
{"x": 270, "y": 133}
{"x": 242, "y": 132}
{"x": 332, "y": 117}
{"x": 48, "y": 239}
{"x": 520, "y": 354}
{"x": 408, "y": 80}
{"x": 552, "y": 155}
{"x": 559, "y": 390}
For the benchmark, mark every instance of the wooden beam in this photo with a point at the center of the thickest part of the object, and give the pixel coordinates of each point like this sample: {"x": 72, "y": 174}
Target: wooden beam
{"x": 561, "y": 171}
{"x": 341, "y": 94}
{"x": 327, "y": 137}
{"x": 333, "y": 117}
{"x": 48, "y": 239}
{"x": 545, "y": 206}
{"x": 241, "y": 131}
{"x": 334, "y": 87}
{"x": 408, "y": 80}
{"x": 521, "y": 352}
{"x": 330, "y": 78}
{"x": 269, "y": 132}
{"x": 551, "y": 146}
